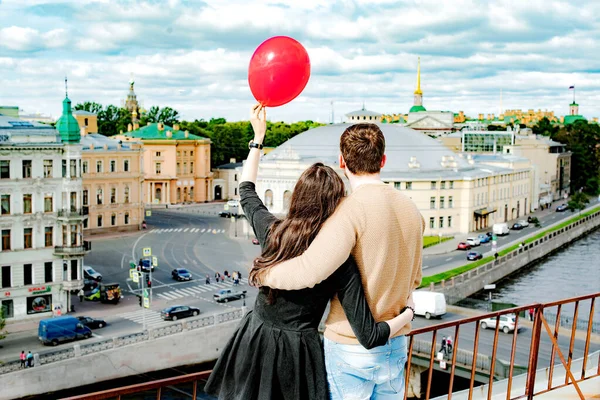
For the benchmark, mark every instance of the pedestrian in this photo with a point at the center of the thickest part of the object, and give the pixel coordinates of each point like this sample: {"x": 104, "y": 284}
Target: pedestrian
{"x": 449, "y": 344}
{"x": 444, "y": 349}
{"x": 531, "y": 311}
{"x": 207, "y": 279}
{"x": 80, "y": 294}
{"x": 226, "y": 273}
{"x": 239, "y": 275}
{"x": 29, "y": 360}
{"x": 234, "y": 276}
{"x": 23, "y": 357}
{"x": 496, "y": 256}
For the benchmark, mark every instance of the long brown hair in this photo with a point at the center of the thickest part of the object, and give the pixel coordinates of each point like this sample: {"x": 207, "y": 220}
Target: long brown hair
{"x": 316, "y": 196}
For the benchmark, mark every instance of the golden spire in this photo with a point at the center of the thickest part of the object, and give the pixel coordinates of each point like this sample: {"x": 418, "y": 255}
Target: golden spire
{"x": 418, "y": 91}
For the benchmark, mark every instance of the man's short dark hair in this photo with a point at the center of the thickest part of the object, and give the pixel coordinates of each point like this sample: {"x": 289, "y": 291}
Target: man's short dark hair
{"x": 363, "y": 146}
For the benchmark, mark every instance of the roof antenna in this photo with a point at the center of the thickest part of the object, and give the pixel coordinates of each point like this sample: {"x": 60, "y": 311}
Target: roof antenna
{"x": 66, "y": 88}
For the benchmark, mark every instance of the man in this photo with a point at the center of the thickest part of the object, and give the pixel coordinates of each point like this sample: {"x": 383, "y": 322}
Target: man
{"x": 383, "y": 230}
{"x": 29, "y": 359}
{"x": 81, "y": 293}
{"x": 444, "y": 349}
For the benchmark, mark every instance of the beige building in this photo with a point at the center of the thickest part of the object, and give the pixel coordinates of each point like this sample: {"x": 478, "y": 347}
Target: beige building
{"x": 226, "y": 180}
{"x": 176, "y": 164}
{"x": 112, "y": 180}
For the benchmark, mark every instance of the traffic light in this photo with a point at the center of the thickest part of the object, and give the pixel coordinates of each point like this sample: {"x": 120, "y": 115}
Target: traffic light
{"x": 140, "y": 299}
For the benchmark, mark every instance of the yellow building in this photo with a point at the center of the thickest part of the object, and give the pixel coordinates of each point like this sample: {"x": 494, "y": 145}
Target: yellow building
{"x": 176, "y": 164}
{"x": 112, "y": 180}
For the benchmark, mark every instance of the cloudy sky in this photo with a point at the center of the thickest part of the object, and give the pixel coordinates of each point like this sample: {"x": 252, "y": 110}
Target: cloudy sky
{"x": 194, "y": 55}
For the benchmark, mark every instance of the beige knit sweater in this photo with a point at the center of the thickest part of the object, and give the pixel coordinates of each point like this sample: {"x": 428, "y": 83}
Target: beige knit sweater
{"x": 383, "y": 230}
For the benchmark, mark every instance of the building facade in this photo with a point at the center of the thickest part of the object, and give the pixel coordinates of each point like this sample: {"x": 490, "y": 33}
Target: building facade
{"x": 42, "y": 217}
{"x": 112, "y": 180}
{"x": 176, "y": 164}
{"x": 455, "y": 193}
{"x": 226, "y": 181}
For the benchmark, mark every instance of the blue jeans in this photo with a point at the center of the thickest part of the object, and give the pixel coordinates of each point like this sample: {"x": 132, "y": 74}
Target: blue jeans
{"x": 355, "y": 373}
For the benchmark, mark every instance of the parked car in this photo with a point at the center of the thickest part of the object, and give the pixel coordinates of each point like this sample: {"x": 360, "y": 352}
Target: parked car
{"x": 255, "y": 241}
{"x": 523, "y": 222}
{"x": 88, "y": 284}
{"x": 517, "y": 226}
{"x": 489, "y": 234}
{"x": 473, "y": 241}
{"x": 92, "y": 295}
{"x": 224, "y": 214}
{"x": 110, "y": 293}
{"x": 90, "y": 273}
{"x": 474, "y": 256}
{"x": 233, "y": 203}
{"x": 429, "y": 304}
{"x": 501, "y": 229}
{"x": 174, "y": 313}
{"x": 92, "y": 323}
{"x": 225, "y": 295}
{"x": 484, "y": 238}
{"x": 507, "y": 323}
{"x": 562, "y": 208}
{"x": 463, "y": 246}
{"x": 59, "y": 329}
{"x": 181, "y": 274}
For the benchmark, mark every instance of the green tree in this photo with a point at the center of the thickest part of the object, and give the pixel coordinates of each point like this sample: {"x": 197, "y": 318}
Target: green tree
{"x": 111, "y": 119}
{"x": 578, "y": 201}
{"x": 545, "y": 127}
{"x": 89, "y": 106}
{"x": 2, "y": 324}
{"x": 166, "y": 115}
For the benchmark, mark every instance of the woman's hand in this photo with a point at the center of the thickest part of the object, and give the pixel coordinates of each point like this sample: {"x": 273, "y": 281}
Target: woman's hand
{"x": 258, "y": 119}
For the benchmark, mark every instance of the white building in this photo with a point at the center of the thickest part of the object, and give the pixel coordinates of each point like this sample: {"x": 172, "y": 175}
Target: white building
{"x": 42, "y": 249}
{"x": 454, "y": 193}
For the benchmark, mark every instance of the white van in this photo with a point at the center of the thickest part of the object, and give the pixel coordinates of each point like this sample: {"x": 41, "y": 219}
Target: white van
{"x": 501, "y": 229}
{"x": 429, "y": 304}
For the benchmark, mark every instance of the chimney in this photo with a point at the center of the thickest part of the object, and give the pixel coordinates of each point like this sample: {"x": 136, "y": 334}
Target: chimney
{"x": 176, "y": 127}
{"x": 136, "y": 126}
{"x": 187, "y": 134}
{"x": 160, "y": 126}
{"x": 129, "y": 127}
{"x": 232, "y": 160}
{"x": 169, "y": 134}
{"x": 148, "y": 124}
{"x": 83, "y": 131}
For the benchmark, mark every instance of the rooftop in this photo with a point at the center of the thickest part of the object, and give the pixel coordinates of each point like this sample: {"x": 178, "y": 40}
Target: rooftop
{"x": 229, "y": 166}
{"x": 152, "y": 132}
{"x": 98, "y": 142}
{"x": 83, "y": 112}
{"x": 363, "y": 112}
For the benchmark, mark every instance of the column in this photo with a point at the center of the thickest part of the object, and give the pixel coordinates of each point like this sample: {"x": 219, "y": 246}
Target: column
{"x": 168, "y": 190}
{"x": 149, "y": 188}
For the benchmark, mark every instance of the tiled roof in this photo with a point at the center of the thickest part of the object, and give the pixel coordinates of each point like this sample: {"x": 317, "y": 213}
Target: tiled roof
{"x": 229, "y": 166}
{"x": 99, "y": 141}
{"x": 363, "y": 112}
{"x": 83, "y": 112}
{"x": 151, "y": 132}
{"x": 569, "y": 119}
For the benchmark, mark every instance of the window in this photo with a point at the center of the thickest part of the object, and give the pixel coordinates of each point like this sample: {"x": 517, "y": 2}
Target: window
{"x": 441, "y": 222}
{"x": 4, "y": 169}
{"x": 73, "y": 235}
{"x": 178, "y": 153}
{"x": 113, "y": 195}
{"x": 8, "y": 308}
{"x": 451, "y": 184}
{"x": 185, "y": 153}
{"x": 48, "y": 167}
{"x": 5, "y": 204}
{"x": 48, "y": 200}
{"x": 86, "y": 194}
{"x": 397, "y": 185}
{"x": 84, "y": 168}
{"x": 192, "y": 167}
{"x": 185, "y": 168}
{"x": 28, "y": 274}
{"x": 126, "y": 197}
{"x": 48, "y": 236}
{"x": 6, "y": 277}
{"x": 74, "y": 270}
{"x": 26, "y": 169}
{"x": 85, "y": 122}
{"x": 99, "y": 221}
{"x": 178, "y": 168}
{"x": 126, "y": 165}
{"x": 158, "y": 154}
{"x": 443, "y": 185}
{"x": 113, "y": 166}
{"x": 441, "y": 201}
{"x": 65, "y": 269}
{"x": 126, "y": 218}
{"x": 450, "y": 202}
{"x": 73, "y": 201}
{"x": 432, "y": 203}
{"x": 64, "y": 168}
{"x": 85, "y": 223}
{"x": 433, "y": 185}
{"x": 73, "y": 168}
{"x": 408, "y": 185}
{"x": 99, "y": 166}
{"x": 431, "y": 222}
{"x": 113, "y": 219}
{"x": 65, "y": 235}
{"x": 157, "y": 168}
{"x": 26, "y": 204}
{"x": 99, "y": 196}
{"x": 192, "y": 153}
{"x": 5, "y": 239}
{"x": 449, "y": 222}
{"x": 27, "y": 238}
{"x": 235, "y": 191}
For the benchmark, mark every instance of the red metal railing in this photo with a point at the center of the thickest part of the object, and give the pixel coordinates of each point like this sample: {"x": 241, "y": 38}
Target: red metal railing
{"x": 539, "y": 326}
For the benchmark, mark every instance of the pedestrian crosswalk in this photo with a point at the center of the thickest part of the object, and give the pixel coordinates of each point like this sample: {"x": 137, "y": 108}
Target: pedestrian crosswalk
{"x": 188, "y": 230}
{"x": 152, "y": 317}
{"x": 193, "y": 291}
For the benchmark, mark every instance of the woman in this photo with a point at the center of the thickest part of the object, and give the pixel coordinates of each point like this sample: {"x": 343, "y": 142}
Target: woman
{"x": 276, "y": 353}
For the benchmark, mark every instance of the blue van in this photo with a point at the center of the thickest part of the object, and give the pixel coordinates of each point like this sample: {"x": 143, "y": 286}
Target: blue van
{"x": 55, "y": 330}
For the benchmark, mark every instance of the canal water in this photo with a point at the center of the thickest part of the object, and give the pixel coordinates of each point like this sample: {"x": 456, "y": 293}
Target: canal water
{"x": 572, "y": 271}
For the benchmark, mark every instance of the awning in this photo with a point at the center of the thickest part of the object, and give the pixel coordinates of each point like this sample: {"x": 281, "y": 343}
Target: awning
{"x": 482, "y": 212}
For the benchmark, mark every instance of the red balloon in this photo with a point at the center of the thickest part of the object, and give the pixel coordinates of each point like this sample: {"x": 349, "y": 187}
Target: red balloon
{"x": 278, "y": 71}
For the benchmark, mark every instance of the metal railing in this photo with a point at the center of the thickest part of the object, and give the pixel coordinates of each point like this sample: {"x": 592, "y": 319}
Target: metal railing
{"x": 541, "y": 328}
{"x": 69, "y": 250}
{"x": 73, "y": 212}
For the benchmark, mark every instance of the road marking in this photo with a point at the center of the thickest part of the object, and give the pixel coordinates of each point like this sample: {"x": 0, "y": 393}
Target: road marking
{"x": 185, "y": 261}
{"x": 96, "y": 335}
{"x": 449, "y": 258}
{"x": 425, "y": 267}
{"x": 186, "y": 229}
{"x": 151, "y": 317}
{"x": 166, "y": 296}
{"x": 198, "y": 289}
{"x": 188, "y": 291}
{"x": 180, "y": 292}
{"x": 153, "y": 230}
{"x": 202, "y": 230}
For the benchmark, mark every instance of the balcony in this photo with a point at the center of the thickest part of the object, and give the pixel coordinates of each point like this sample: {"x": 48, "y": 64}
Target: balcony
{"x": 73, "y": 214}
{"x": 73, "y": 250}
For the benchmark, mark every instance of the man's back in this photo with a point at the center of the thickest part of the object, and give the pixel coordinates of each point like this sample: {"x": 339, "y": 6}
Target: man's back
{"x": 389, "y": 243}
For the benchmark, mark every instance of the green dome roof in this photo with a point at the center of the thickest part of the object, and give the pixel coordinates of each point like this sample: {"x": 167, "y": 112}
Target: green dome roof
{"x": 67, "y": 125}
{"x": 417, "y": 109}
